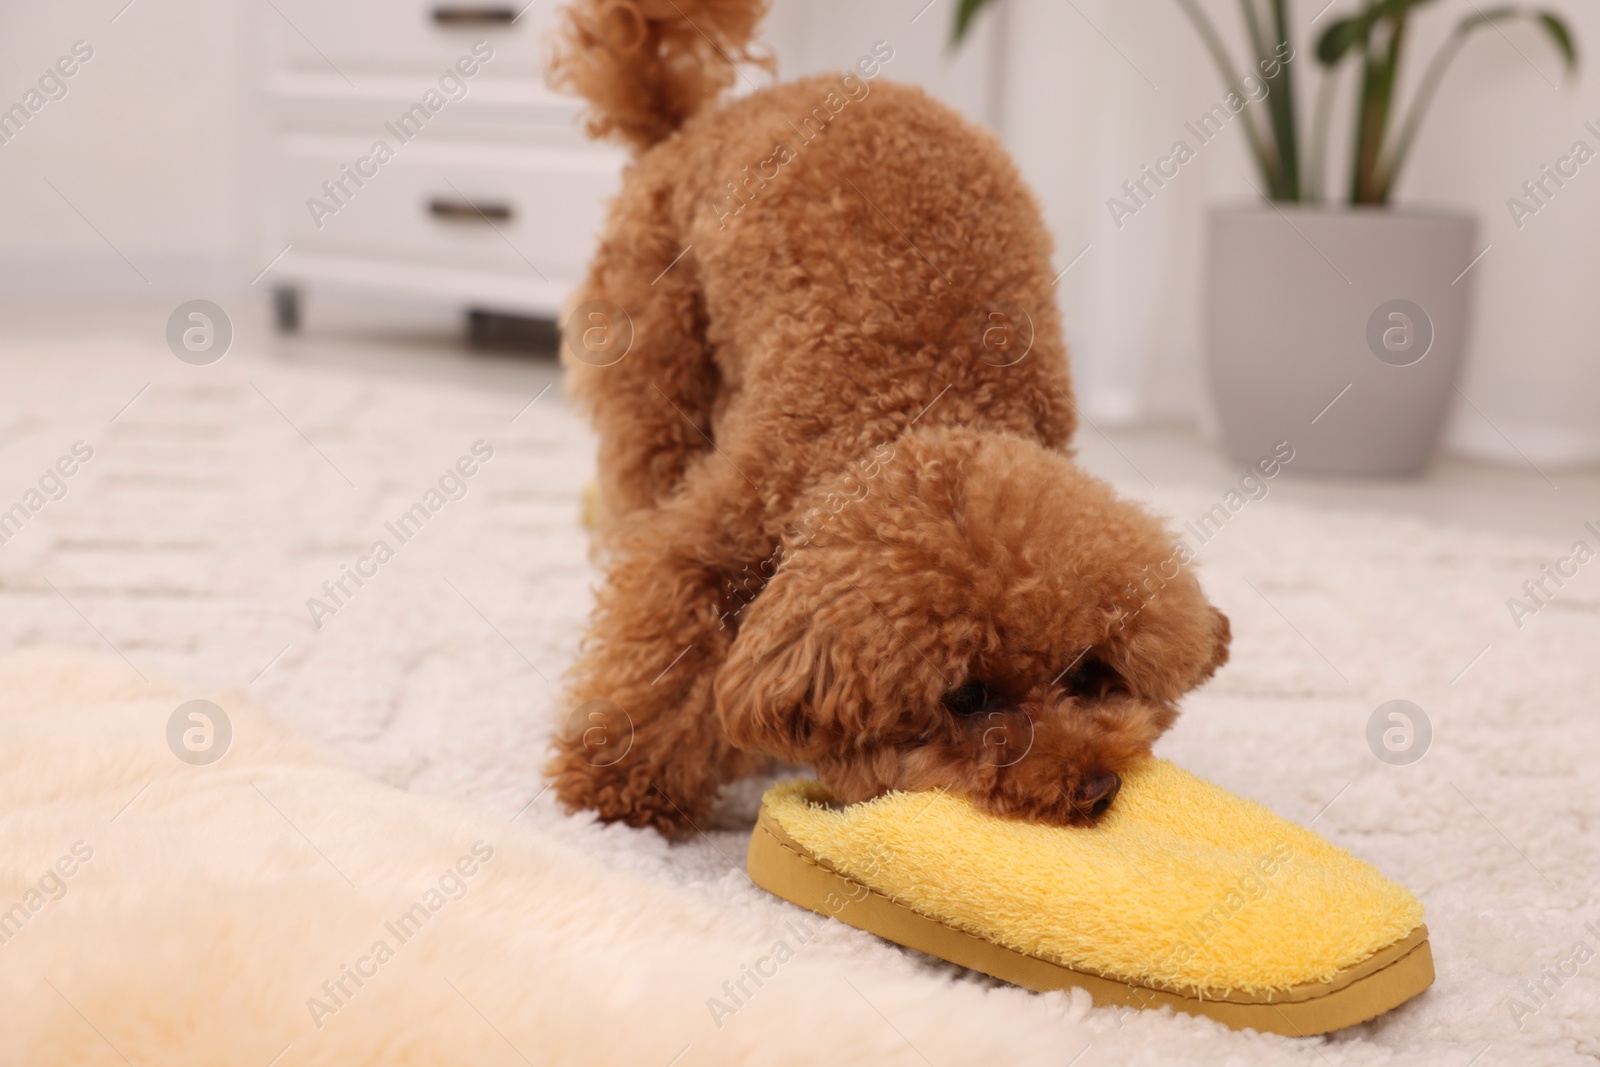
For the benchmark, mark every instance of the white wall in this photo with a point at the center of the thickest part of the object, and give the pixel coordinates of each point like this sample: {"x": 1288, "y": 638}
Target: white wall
{"x": 821, "y": 35}
{"x": 154, "y": 144}
{"x": 1094, "y": 91}
{"x": 1535, "y": 366}
{"x": 148, "y": 144}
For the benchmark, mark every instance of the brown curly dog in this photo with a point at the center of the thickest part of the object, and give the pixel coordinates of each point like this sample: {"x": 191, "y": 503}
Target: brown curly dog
{"x": 838, "y": 519}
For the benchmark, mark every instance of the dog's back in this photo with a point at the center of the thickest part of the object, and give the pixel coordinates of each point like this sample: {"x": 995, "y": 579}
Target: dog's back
{"x": 848, "y": 247}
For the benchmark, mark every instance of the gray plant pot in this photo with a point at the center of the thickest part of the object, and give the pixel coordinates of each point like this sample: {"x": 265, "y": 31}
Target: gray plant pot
{"x": 1338, "y": 330}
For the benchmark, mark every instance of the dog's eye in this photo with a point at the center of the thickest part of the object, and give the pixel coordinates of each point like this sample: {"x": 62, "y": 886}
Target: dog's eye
{"x": 971, "y": 699}
{"x": 1092, "y": 680}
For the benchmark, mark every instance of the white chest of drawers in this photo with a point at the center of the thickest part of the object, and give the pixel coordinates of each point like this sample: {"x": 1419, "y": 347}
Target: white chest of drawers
{"x": 413, "y": 150}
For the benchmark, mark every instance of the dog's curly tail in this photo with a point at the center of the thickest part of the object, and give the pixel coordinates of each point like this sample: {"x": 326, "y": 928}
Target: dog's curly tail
{"x": 645, "y": 66}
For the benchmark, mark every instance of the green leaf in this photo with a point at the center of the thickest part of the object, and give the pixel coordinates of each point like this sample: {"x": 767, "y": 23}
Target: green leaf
{"x": 1556, "y": 27}
{"x": 1265, "y": 158}
{"x": 1339, "y": 38}
{"x": 1552, "y": 23}
{"x": 965, "y": 13}
{"x": 1396, "y": 8}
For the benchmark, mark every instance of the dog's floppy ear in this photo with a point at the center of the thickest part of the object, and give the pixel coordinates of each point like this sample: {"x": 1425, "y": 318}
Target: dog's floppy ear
{"x": 1219, "y": 654}
{"x": 780, "y": 690}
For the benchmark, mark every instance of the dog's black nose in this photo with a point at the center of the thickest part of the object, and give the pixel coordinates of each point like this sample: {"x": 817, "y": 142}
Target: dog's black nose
{"x": 1095, "y": 794}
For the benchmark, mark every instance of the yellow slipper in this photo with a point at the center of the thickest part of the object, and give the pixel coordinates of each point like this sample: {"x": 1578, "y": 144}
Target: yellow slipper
{"x": 1183, "y": 896}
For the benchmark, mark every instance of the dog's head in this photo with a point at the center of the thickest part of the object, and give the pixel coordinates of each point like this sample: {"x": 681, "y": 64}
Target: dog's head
{"x": 972, "y": 613}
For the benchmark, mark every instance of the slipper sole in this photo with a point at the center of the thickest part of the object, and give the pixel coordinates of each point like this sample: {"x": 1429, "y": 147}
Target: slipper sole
{"x": 1383, "y": 981}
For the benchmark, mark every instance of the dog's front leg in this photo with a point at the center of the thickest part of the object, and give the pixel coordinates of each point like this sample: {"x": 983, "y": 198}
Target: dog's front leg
{"x": 642, "y": 743}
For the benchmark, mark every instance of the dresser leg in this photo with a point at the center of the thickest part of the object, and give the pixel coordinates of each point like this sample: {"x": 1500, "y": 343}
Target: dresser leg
{"x": 286, "y": 308}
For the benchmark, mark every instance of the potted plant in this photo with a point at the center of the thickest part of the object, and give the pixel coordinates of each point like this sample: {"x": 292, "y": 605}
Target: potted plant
{"x": 1338, "y": 328}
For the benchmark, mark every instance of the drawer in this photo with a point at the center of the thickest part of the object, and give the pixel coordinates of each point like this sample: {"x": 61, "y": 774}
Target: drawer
{"x": 517, "y": 110}
{"x": 410, "y": 36}
{"x": 488, "y": 207}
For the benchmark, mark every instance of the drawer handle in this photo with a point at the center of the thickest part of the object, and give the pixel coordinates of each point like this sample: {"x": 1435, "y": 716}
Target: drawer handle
{"x": 465, "y": 211}
{"x": 474, "y": 16}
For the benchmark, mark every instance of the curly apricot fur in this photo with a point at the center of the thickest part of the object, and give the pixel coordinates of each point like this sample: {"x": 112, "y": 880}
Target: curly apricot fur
{"x": 825, "y": 502}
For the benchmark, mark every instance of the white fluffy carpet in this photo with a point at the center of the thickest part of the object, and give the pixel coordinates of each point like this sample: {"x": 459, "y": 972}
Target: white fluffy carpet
{"x": 186, "y": 550}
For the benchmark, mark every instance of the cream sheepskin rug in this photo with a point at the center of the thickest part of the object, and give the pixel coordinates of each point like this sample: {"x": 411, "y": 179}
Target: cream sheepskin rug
{"x": 273, "y": 907}
{"x": 381, "y": 783}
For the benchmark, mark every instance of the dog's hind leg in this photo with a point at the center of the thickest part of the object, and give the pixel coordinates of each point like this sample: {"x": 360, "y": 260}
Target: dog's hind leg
{"x": 637, "y": 359}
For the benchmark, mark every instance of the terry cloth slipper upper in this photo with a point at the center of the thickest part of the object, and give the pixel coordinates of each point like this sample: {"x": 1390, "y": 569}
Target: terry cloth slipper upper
{"x": 1183, "y": 895}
